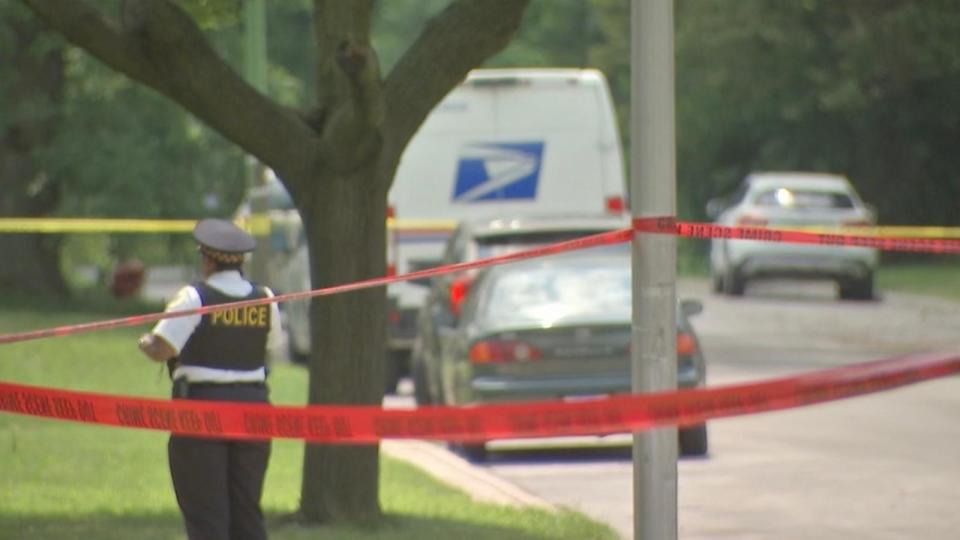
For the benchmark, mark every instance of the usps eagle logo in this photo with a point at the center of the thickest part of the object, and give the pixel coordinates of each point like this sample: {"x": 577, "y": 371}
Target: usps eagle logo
{"x": 498, "y": 171}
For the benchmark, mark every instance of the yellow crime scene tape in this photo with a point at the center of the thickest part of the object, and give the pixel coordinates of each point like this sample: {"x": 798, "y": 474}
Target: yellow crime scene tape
{"x": 256, "y": 224}
{"x": 93, "y": 225}
{"x": 260, "y": 225}
{"x": 429, "y": 224}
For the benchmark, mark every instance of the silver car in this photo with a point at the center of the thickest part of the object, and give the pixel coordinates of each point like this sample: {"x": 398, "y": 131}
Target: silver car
{"x": 556, "y": 328}
{"x": 791, "y": 200}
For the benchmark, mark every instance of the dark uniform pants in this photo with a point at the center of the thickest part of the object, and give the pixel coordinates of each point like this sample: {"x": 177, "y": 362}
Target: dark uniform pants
{"x": 218, "y": 483}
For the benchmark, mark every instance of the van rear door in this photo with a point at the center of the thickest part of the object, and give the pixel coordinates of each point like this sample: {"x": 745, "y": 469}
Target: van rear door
{"x": 512, "y": 143}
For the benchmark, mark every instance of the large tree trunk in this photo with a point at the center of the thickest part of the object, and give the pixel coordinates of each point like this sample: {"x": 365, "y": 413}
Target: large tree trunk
{"x": 366, "y": 125}
{"x": 29, "y": 106}
{"x": 341, "y": 483}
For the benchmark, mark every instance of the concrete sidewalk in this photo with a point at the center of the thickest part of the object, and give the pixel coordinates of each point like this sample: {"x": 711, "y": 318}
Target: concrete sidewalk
{"x": 459, "y": 473}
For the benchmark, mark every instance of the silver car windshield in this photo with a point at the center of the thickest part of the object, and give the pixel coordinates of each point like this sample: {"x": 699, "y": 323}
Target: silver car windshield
{"x": 804, "y": 199}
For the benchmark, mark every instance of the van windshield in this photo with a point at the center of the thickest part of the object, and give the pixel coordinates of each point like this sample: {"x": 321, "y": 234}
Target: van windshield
{"x": 497, "y": 250}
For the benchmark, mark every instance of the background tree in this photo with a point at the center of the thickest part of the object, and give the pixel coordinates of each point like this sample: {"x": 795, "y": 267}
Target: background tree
{"x": 81, "y": 140}
{"x": 30, "y": 95}
{"x": 119, "y": 143}
{"x": 860, "y": 87}
{"x": 857, "y": 87}
{"x": 336, "y": 158}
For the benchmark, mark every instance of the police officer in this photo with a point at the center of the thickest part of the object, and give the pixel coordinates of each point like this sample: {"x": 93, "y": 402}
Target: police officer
{"x": 218, "y": 356}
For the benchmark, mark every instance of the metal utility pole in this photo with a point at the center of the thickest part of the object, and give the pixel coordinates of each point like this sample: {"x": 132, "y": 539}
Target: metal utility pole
{"x": 653, "y": 193}
{"x": 255, "y": 71}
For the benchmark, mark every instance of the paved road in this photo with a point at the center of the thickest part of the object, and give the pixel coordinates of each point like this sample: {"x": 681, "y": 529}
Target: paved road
{"x": 879, "y": 467}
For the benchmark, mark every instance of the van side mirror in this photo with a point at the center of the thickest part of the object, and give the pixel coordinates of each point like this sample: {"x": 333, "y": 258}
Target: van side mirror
{"x": 415, "y": 265}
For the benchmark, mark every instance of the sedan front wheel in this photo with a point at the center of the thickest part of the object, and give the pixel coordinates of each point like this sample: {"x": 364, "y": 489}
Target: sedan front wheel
{"x": 693, "y": 440}
{"x": 472, "y": 452}
{"x": 857, "y": 289}
{"x": 421, "y": 388}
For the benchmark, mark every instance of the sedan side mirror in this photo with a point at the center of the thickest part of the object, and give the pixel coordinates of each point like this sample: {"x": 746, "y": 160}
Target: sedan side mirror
{"x": 691, "y": 307}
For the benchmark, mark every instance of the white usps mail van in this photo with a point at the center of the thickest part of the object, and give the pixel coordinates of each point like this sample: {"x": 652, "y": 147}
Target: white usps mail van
{"x": 503, "y": 143}
{"x": 514, "y": 142}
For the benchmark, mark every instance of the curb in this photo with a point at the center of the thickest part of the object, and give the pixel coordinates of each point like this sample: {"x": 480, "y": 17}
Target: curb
{"x": 459, "y": 473}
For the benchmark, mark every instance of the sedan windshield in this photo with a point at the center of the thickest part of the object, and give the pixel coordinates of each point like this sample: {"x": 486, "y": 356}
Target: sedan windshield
{"x": 548, "y": 294}
{"x": 497, "y": 245}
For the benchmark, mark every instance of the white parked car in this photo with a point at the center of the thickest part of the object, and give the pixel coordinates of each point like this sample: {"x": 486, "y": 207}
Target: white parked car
{"x": 792, "y": 200}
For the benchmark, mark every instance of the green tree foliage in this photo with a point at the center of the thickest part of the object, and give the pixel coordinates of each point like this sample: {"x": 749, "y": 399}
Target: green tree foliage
{"x": 556, "y": 33}
{"x": 397, "y": 24}
{"x": 31, "y": 93}
{"x": 118, "y": 150}
{"x": 121, "y": 143}
{"x": 862, "y": 87}
{"x": 866, "y": 88}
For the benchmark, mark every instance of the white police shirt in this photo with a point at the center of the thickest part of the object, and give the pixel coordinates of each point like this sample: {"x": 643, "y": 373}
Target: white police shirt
{"x": 177, "y": 330}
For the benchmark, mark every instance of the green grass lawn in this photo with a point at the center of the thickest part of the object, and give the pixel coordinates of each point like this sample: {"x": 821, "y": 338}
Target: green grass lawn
{"x": 940, "y": 279}
{"x": 64, "y": 480}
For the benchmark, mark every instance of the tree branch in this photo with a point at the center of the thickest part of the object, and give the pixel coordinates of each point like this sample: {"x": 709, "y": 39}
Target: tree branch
{"x": 458, "y": 39}
{"x": 351, "y": 100}
{"x": 161, "y": 46}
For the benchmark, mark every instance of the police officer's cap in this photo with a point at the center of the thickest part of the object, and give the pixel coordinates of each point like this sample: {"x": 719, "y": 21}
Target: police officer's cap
{"x": 223, "y": 241}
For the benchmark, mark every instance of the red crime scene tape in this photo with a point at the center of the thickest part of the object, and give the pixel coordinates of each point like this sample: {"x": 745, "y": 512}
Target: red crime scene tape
{"x": 669, "y": 225}
{"x": 603, "y": 239}
{"x": 359, "y": 425}
{"x": 368, "y": 424}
